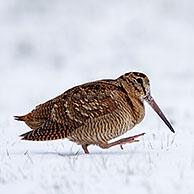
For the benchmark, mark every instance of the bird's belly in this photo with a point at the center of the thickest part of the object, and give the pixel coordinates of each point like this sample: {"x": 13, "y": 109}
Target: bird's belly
{"x": 102, "y": 129}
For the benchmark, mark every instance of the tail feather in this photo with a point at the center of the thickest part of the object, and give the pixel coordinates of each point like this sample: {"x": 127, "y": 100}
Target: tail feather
{"x": 25, "y": 134}
{"x": 20, "y": 118}
{"x": 31, "y": 121}
{"x": 50, "y": 130}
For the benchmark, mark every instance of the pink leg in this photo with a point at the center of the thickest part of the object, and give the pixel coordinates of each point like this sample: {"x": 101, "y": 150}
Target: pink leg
{"x": 85, "y": 148}
{"x": 122, "y": 141}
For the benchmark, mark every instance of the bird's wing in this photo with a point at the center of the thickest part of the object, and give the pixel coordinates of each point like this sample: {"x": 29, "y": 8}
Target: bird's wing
{"x": 43, "y": 111}
{"x": 85, "y": 102}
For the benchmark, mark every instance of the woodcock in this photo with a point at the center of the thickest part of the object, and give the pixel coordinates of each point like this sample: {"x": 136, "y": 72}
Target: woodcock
{"x": 94, "y": 113}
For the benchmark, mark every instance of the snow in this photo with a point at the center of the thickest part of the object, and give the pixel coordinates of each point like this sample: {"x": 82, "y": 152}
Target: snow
{"x": 47, "y": 47}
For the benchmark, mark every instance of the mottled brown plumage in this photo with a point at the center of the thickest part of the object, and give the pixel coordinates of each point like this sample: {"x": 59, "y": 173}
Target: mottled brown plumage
{"x": 93, "y": 113}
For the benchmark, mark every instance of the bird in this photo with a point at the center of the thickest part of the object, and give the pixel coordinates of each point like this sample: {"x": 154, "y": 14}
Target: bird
{"x": 94, "y": 113}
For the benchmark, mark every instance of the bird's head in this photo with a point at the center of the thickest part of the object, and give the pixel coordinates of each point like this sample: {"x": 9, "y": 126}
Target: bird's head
{"x": 137, "y": 85}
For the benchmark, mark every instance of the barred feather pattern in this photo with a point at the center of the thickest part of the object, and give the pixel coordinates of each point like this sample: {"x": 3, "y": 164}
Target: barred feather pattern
{"x": 49, "y": 131}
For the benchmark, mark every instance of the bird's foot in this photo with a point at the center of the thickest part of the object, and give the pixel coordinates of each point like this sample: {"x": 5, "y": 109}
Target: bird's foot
{"x": 122, "y": 141}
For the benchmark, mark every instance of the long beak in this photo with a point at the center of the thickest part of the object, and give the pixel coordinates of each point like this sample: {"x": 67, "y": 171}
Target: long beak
{"x": 153, "y": 104}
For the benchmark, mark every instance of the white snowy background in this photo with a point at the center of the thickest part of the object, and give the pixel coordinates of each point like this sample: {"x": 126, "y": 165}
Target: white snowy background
{"x": 49, "y": 46}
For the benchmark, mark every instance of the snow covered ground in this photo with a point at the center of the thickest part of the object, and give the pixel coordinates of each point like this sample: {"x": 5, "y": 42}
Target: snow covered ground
{"x": 49, "y": 46}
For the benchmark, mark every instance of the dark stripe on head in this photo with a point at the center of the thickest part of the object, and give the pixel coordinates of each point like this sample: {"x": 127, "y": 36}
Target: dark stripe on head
{"x": 140, "y": 81}
{"x": 139, "y": 74}
{"x": 143, "y": 88}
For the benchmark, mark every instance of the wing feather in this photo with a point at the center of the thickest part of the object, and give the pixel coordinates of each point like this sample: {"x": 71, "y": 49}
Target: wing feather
{"x": 72, "y": 109}
{"x": 85, "y": 102}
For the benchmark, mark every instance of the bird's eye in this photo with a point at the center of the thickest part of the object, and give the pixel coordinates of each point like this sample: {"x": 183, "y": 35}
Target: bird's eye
{"x": 139, "y": 80}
